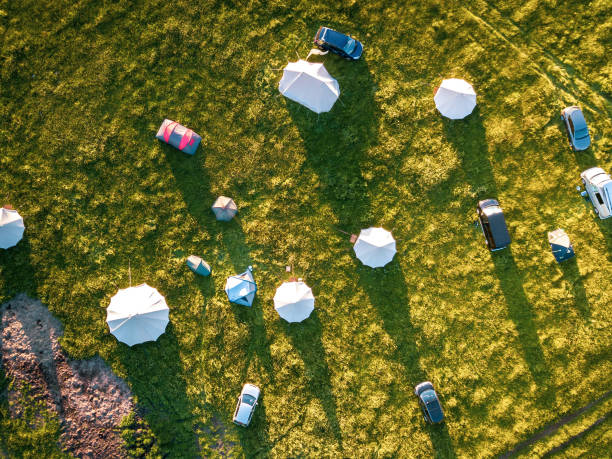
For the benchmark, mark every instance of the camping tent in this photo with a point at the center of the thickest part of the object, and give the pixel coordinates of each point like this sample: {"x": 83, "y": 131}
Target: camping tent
{"x": 375, "y": 247}
{"x": 224, "y": 208}
{"x": 455, "y": 98}
{"x": 241, "y": 288}
{"x": 560, "y": 244}
{"x": 137, "y": 314}
{"x": 198, "y": 266}
{"x": 309, "y": 84}
{"x": 11, "y": 228}
{"x": 294, "y": 301}
{"x": 178, "y": 136}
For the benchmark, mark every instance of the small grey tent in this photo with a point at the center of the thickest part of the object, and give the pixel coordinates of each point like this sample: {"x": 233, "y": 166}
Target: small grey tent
{"x": 179, "y": 136}
{"x": 560, "y": 245}
{"x": 224, "y": 208}
{"x": 241, "y": 288}
{"x": 198, "y": 266}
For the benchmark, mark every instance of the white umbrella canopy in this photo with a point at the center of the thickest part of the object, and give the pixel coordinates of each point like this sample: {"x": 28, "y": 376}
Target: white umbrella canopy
{"x": 375, "y": 247}
{"x": 309, "y": 84}
{"x": 455, "y": 98}
{"x": 294, "y": 301}
{"x": 11, "y": 228}
{"x": 137, "y": 314}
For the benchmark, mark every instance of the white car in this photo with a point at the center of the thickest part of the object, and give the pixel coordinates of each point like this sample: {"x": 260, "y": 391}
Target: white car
{"x": 599, "y": 188}
{"x": 246, "y": 405}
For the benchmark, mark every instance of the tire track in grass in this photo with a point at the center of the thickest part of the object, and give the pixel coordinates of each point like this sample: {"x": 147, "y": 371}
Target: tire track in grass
{"x": 570, "y": 440}
{"x": 552, "y": 57}
{"x": 552, "y": 428}
{"x": 593, "y": 99}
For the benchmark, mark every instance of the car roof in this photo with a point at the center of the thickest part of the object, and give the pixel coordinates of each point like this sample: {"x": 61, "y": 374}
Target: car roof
{"x": 497, "y": 225}
{"x": 430, "y": 398}
{"x": 335, "y": 38}
{"x": 578, "y": 118}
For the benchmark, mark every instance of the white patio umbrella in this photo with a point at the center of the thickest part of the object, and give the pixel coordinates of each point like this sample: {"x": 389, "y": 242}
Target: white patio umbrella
{"x": 294, "y": 301}
{"x": 11, "y": 228}
{"x": 375, "y": 247}
{"x": 309, "y": 84}
{"x": 137, "y": 314}
{"x": 455, "y": 98}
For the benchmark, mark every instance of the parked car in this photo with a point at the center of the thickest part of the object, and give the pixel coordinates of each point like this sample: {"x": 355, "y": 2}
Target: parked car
{"x": 493, "y": 224}
{"x": 577, "y": 131}
{"x": 599, "y": 188}
{"x": 343, "y": 45}
{"x": 429, "y": 403}
{"x": 247, "y": 401}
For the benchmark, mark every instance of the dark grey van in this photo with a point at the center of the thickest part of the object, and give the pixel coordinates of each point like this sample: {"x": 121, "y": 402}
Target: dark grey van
{"x": 493, "y": 224}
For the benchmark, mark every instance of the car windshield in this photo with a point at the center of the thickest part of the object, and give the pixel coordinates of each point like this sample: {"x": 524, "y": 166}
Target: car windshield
{"x": 581, "y": 133}
{"x": 350, "y": 46}
{"x": 248, "y": 399}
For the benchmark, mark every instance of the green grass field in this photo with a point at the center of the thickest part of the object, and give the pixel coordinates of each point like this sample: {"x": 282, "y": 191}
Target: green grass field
{"x": 511, "y": 340}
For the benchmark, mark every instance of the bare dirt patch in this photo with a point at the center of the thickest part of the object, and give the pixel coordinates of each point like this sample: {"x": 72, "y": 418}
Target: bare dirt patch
{"x": 88, "y": 398}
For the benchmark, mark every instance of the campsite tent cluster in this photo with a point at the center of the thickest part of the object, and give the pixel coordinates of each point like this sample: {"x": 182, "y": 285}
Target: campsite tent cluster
{"x": 138, "y": 314}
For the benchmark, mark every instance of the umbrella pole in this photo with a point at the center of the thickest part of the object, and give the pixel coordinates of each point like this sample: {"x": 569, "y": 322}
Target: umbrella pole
{"x": 130, "y": 271}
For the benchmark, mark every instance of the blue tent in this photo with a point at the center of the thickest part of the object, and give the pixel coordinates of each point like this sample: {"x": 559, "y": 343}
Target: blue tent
{"x": 198, "y": 266}
{"x": 560, "y": 244}
{"x": 241, "y": 288}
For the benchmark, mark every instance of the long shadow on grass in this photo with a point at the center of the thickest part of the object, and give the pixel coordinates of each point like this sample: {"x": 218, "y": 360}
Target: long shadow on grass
{"x": 194, "y": 183}
{"x": 387, "y": 291}
{"x": 521, "y": 313}
{"x": 572, "y": 276}
{"x": 468, "y": 137}
{"x": 156, "y": 376}
{"x": 307, "y": 339}
{"x": 337, "y": 142}
{"x": 16, "y": 272}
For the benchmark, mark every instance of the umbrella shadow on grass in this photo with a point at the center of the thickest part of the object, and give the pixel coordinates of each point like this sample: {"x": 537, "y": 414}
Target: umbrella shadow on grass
{"x": 307, "y": 340}
{"x": 337, "y": 142}
{"x": 156, "y": 377}
{"x": 387, "y": 290}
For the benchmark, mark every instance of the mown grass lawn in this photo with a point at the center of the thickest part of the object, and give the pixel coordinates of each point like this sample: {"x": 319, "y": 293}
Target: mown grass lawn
{"x": 510, "y": 340}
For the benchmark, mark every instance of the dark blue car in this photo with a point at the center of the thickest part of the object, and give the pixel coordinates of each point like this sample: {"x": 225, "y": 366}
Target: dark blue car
{"x": 429, "y": 403}
{"x": 338, "y": 43}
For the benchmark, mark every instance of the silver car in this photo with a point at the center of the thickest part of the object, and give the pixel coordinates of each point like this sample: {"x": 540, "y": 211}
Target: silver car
{"x": 246, "y": 405}
{"x": 599, "y": 188}
{"x": 576, "y": 127}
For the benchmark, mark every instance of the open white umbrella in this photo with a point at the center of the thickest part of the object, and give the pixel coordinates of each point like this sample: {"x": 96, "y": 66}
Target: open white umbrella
{"x": 294, "y": 301}
{"x": 137, "y": 314}
{"x": 455, "y": 98}
{"x": 11, "y": 228}
{"x": 309, "y": 84}
{"x": 375, "y": 247}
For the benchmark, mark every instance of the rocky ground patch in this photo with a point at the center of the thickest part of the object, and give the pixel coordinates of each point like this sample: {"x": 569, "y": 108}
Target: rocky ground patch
{"x": 88, "y": 398}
